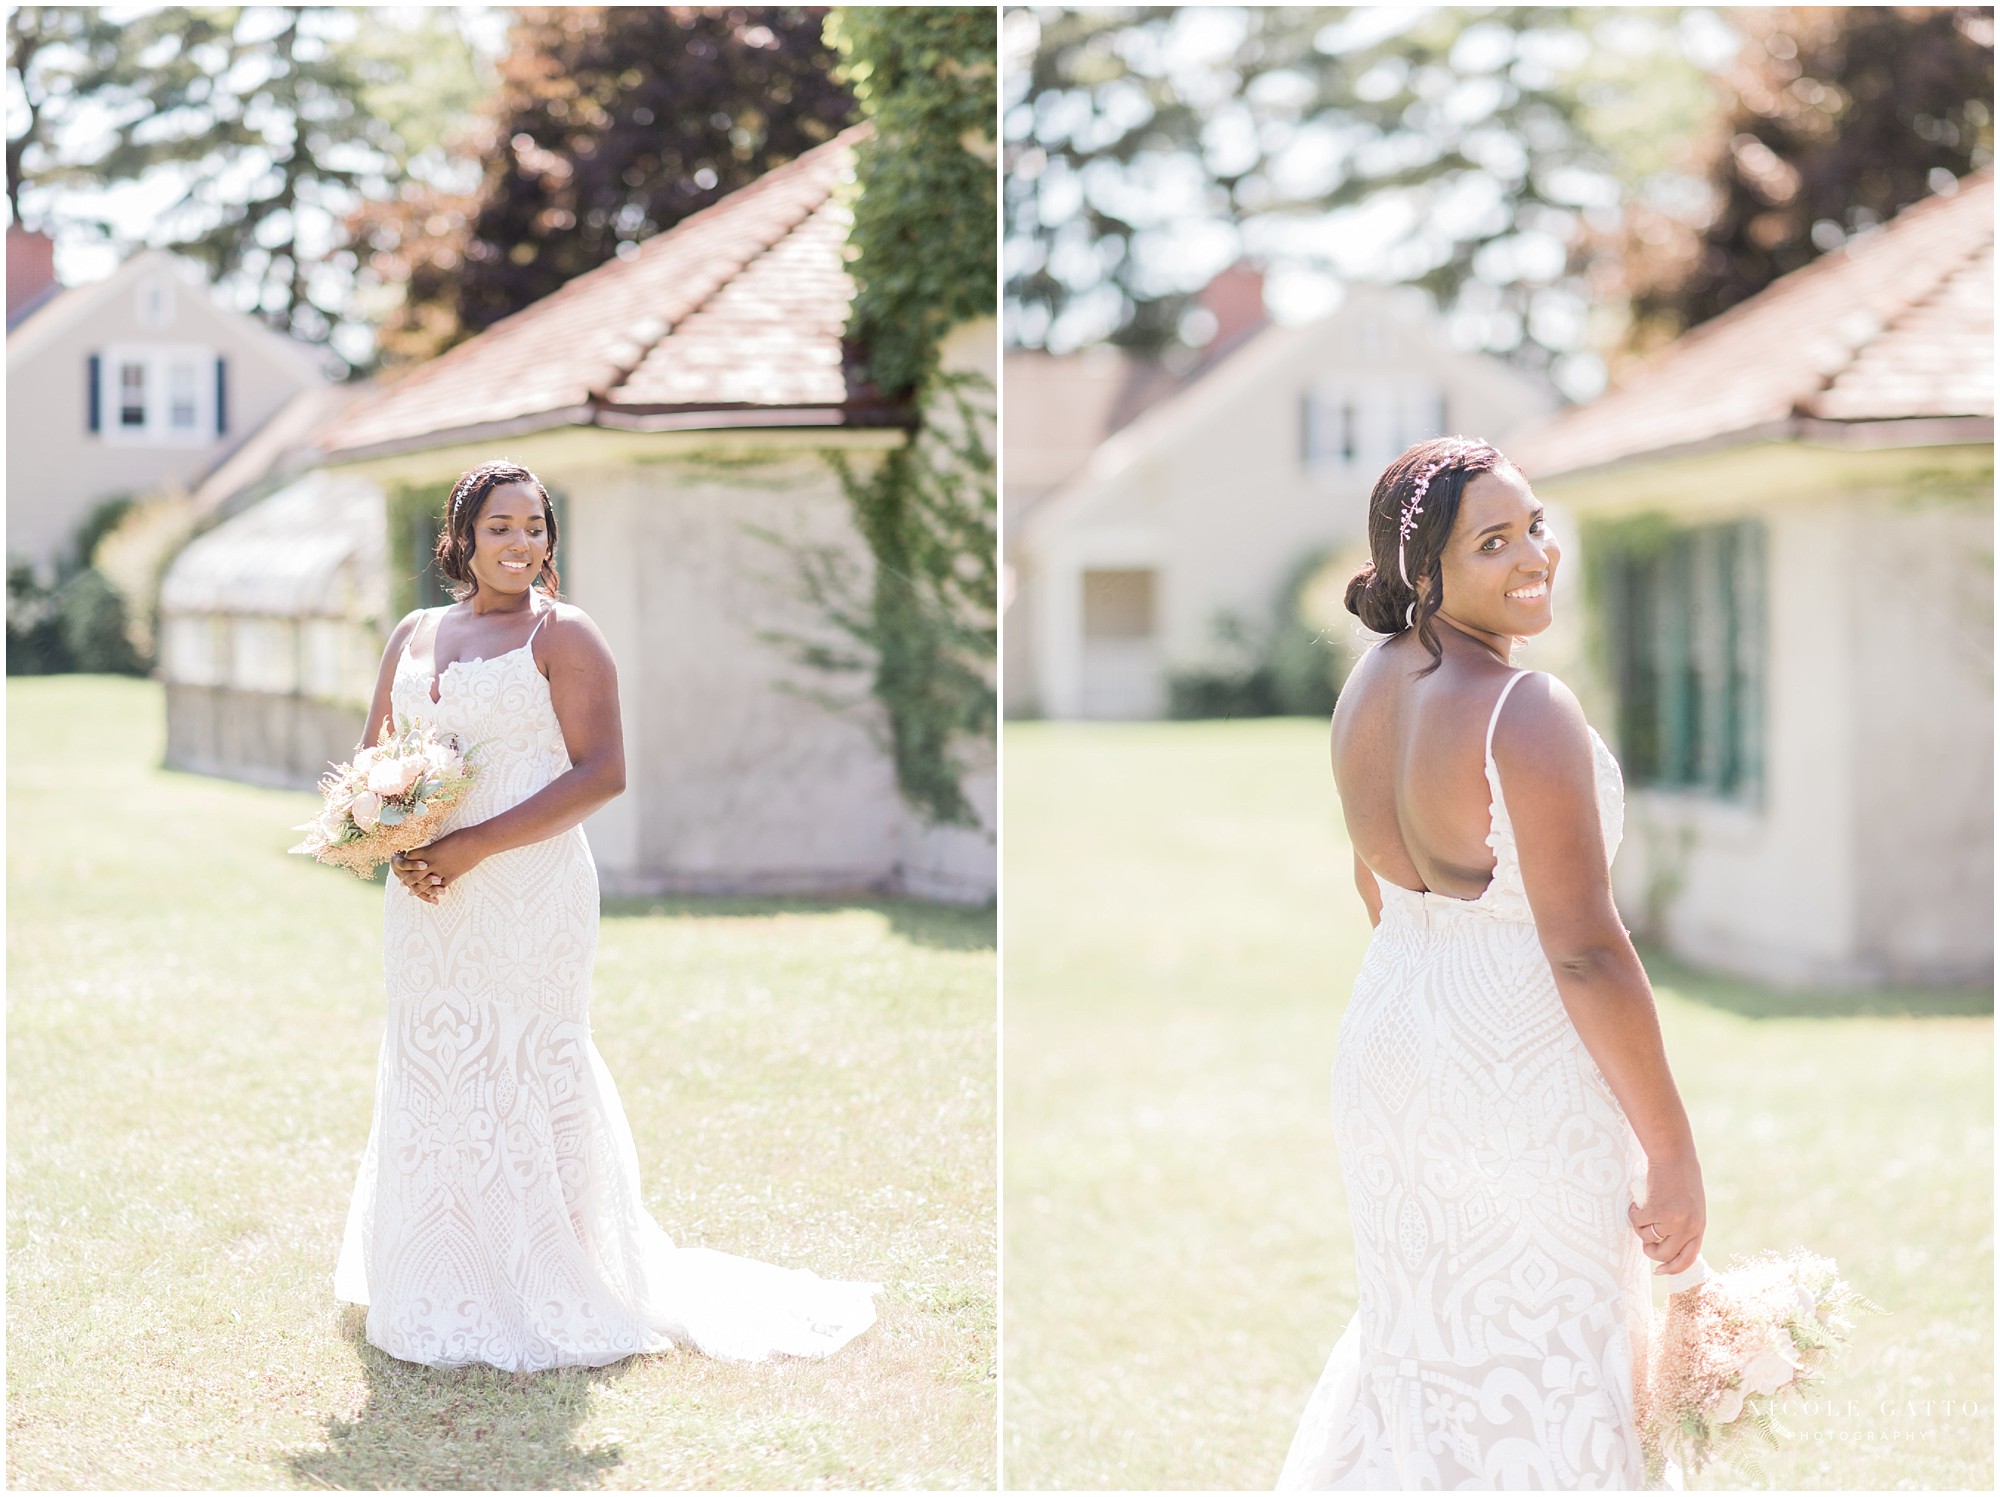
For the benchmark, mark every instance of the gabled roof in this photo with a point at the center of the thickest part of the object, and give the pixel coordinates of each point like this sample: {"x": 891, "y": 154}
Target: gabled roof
{"x": 1178, "y": 416}
{"x": 733, "y": 317}
{"x": 50, "y": 319}
{"x": 1897, "y": 325}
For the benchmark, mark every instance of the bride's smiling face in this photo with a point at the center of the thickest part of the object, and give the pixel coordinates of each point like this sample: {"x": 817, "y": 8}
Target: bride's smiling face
{"x": 510, "y": 539}
{"x": 1499, "y": 564}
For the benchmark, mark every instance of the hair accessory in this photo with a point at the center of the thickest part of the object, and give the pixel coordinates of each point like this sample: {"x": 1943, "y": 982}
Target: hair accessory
{"x": 1407, "y": 525}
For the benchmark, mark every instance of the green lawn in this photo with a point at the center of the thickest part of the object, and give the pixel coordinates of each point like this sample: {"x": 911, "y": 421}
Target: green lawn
{"x": 193, "y": 1020}
{"x": 1180, "y": 934}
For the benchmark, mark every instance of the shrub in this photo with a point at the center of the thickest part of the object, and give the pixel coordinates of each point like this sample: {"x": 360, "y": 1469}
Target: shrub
{"x": 1291, "y": 666}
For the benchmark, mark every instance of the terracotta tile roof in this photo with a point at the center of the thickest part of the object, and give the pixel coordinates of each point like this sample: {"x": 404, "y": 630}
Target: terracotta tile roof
{"x": 1895, "y": 325}
{"x": 736, "y": 312}
{"x": 1936, "y": 360}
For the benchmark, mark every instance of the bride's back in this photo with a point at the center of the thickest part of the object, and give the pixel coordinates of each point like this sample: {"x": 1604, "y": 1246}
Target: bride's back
{"x": 1409, "y": 760}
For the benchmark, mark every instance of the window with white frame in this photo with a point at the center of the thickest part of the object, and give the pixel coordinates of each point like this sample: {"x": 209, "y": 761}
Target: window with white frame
{"x": 160, "y": 394}
{"x": 182, "y": 383}
{"x": 1345, "y": 430}
{"x": 156, "y": 302}
{"x": 1330, "y": 430}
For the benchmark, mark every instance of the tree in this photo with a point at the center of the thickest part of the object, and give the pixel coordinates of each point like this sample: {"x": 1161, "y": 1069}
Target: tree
{"x": 1149, "y": 146}
{"x": 610, "y": 124}
{"x": 56, "y": 54}
{"x": 1839, "y": 118}
{"x": 272, "y": 121}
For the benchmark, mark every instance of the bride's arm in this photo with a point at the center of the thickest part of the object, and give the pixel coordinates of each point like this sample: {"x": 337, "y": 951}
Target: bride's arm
{"x": 380, "y": 707}
{"x": 583, "y": 685}
{"x": 1368, "y": 889}
{"x": 1548, "y": 774}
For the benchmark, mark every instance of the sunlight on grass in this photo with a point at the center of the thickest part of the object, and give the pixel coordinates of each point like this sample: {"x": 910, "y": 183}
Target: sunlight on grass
{"x": 1181, "y": 933}
{"x": 193, "y": 1023}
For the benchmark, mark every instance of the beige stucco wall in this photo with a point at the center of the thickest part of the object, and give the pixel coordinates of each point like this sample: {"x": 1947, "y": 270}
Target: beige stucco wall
{"x": 960, "y": 864}
{"x": 1211, "y": 490}
{"x": 1868, "y": 856}
{"x": 737, "y": 781}
{"x": 1924, "y": 735}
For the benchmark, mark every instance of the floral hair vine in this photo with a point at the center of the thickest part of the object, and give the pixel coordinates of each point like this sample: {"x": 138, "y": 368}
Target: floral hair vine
{"x": 1407, "y": 525}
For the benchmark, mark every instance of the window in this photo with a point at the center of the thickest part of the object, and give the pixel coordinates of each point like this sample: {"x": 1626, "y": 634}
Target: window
{"x": 1330, "y": 427}
{"x": 156, "y": 302}
{"x": 181, "y": 410}
{"x": 160, "y": 394}
{"x": 1684, "y": 620}
{"x": 131, "y": 395}
{"x": 1117, "y": 605}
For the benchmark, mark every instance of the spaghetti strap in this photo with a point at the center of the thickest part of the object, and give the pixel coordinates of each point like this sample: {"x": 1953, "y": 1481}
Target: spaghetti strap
{"x": 538, "y": 626}
{"x": 1494, "y": 721}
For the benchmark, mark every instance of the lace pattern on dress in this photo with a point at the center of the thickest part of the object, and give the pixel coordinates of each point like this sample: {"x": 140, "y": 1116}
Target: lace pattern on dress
{"x": 497, "y": 1215}
{"x": 1503, "y": 1298}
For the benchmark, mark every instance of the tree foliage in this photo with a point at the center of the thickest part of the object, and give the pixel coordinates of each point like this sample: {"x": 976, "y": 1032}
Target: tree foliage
{"x": 270, "y": 123}
{"x": 610, "y": 124}
{"x": 923, "y": 225}
{"x": 1138, "y": 137}
{"x": 1838, "y": 118}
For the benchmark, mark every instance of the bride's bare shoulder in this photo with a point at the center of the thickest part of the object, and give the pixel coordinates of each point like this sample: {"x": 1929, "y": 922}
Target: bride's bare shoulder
{"x": 1541, "y": 734}
{"x": 1366, "y": 685}
{"x": 573, "y": 636}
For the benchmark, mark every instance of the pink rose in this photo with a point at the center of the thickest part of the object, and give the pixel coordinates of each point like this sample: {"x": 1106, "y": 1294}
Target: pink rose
{"x": 389, "y": 778}
{"x": 365, "y": 758}
{"x": 366, "y": 809}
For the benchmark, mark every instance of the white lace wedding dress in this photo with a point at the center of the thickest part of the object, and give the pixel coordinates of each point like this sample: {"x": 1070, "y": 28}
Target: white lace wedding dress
{"x": 1504, "y": 1300}
{"x": 497, "y": 1215}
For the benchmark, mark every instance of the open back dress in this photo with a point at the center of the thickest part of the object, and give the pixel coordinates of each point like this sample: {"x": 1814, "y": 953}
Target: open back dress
{"x": 1504, "y": 1299}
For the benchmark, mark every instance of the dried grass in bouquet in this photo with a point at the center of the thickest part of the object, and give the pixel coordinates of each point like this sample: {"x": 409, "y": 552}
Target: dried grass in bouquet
{"x": 393, "y": 797}
{"x": 1727, "y": 1345}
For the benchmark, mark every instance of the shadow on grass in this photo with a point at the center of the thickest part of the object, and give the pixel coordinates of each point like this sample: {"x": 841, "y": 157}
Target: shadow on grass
{"x": 459, "y": 1429}
{"x": 1755, "y": 1001}
{"x": 939, "y": 926}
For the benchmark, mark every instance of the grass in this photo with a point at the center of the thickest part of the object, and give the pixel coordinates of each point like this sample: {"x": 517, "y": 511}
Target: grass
{"x": 1181, "y": 931}
{"x": 193, "y": 1022}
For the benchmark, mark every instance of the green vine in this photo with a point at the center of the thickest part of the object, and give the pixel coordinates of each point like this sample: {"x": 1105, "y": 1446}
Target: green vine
{"x": 922, "y": 256}
{"x": 924, "y": 218}
{"x": 416, "y": 516}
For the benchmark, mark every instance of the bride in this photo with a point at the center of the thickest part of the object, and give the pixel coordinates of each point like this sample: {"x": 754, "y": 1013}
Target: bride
{"x": 497, "y": 1215}
{"x": 1512, "y": 1141}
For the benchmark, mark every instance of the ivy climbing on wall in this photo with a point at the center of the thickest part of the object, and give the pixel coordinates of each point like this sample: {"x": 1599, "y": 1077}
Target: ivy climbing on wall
{"x": 922, "y": 254}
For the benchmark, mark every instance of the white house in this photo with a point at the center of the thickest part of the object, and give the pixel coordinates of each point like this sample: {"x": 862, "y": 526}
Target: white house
{"x": 1784, "y": 528}
{"x": 126, "y": 386}
{"x": 1199, "y": 510}
{"x": 681, "y": 405}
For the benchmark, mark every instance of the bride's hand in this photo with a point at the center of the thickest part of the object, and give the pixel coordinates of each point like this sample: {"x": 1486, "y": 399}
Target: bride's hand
{"x": 1672, "y": 1216}
{"x": 428, "y": 870}
{"x": 414, "y": 871}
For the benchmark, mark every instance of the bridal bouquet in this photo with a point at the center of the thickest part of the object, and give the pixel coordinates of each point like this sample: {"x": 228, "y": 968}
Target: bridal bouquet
{"x": 393, "y": 797}
{"x": 1728, "y": 1344}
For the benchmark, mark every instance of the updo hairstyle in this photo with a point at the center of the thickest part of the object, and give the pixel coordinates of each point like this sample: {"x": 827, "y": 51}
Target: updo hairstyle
{"x": 455, "y": 544}
{"x": 1377, "y": 595}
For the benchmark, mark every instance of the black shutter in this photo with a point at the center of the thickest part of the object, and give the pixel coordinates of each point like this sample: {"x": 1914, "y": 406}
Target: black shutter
{"x": 221, "y": 397}
{"x": 94, "y": 394}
